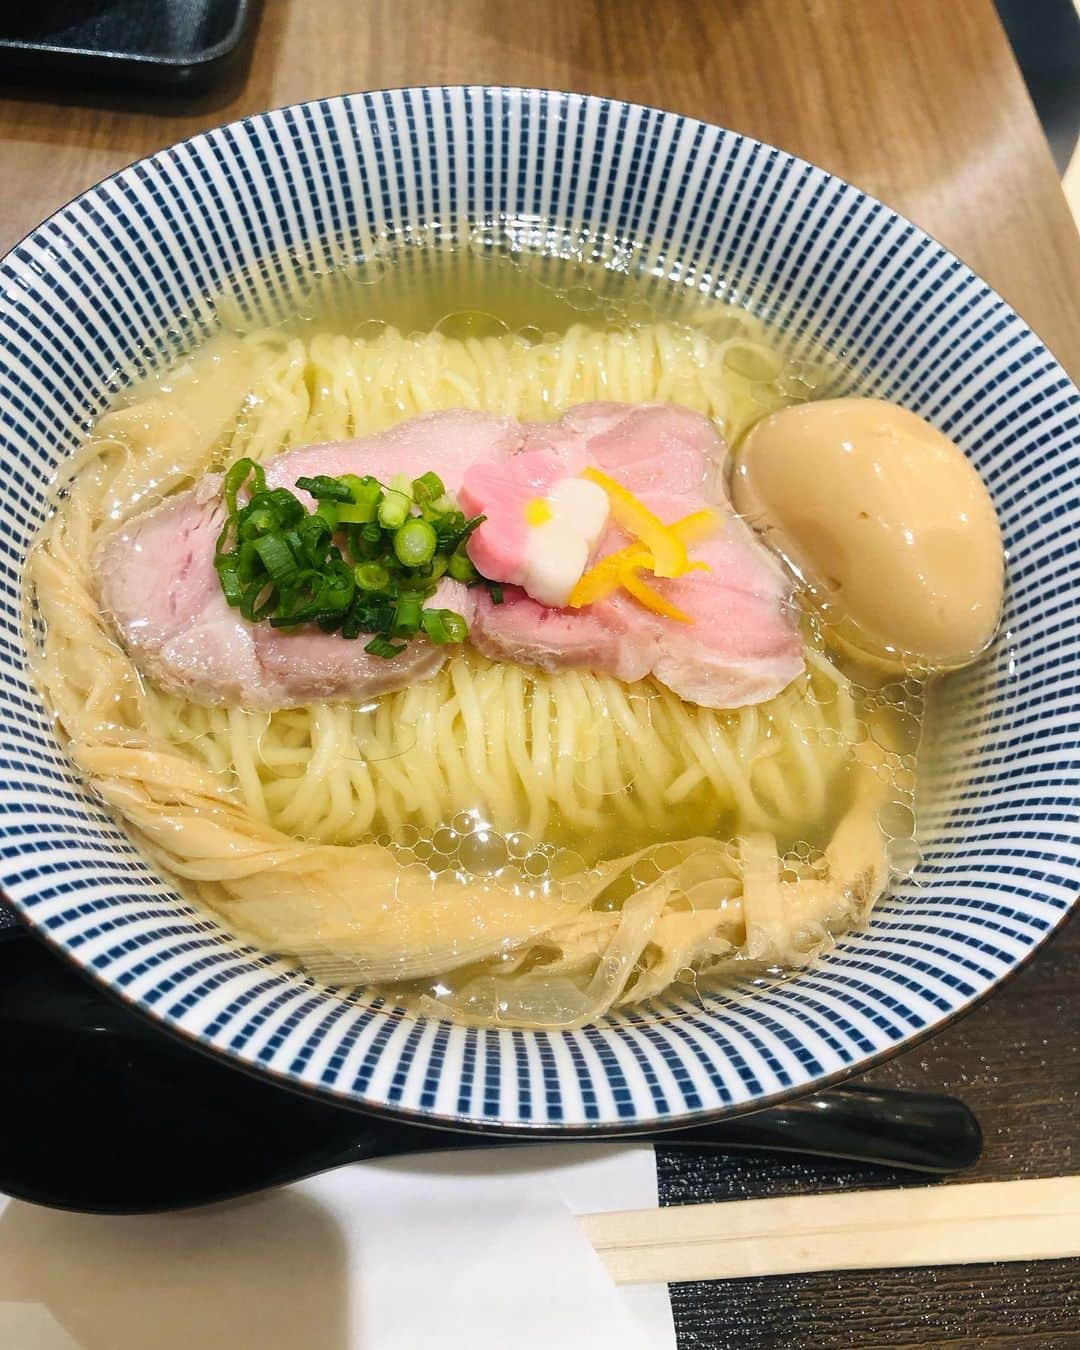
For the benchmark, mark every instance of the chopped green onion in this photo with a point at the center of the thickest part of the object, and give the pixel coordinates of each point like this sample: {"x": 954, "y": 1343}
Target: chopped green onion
{"x": 393, "y": 510}
{"x": 379, "y": 646}
{"x": 278, "y": 559}
{"x": 406, "y": 616}
{"x": 362, "y": 548}
{"x": 258, "y": 600}
{"x": 227, "y": 535}
{"x": 248, "y": 561}
{"x": 255, "y": 522}
{"x": 229, "y": 576}
{"x": 337, "y": 587}
{"x": 237, "y": 476}
{"x": 359, "y": 562}
{"x": 496, "y": 593}
{"x": 358, "y": 514}
{"x": 296, "y": 547}
{"x": 310, "y": 578}
{"x": 309, "y": 614}
{"x": 460, "y": 568}
{"x": 362, "y": 489}
{"x": 376, "y": 618}
{"x": 415, "y": 543}
{"x": 428, "y": 488}
{"x": 453, "y": 529}
{"x": 443, "y": 625}
{"x": 280, "y": 503}
{"x": 371, "y": 576}
{"x": 324, "y": 488}
{"x": 422, "y": 587}
{"x": 328, "y": 510}
{"x": 366, "y": 496}
{"x": 315, "y": 535}
{"x": 448, "y": 525}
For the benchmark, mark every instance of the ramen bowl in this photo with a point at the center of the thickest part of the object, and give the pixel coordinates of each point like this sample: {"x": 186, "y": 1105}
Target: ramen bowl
{"x": 116, "y": 284}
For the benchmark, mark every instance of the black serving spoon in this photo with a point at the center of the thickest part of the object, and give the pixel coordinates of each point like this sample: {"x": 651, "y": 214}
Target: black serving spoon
{"x": 106, "y": 1114}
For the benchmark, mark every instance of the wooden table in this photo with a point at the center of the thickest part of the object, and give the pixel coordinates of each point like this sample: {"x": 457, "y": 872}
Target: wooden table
{"x": 919, "y": 102}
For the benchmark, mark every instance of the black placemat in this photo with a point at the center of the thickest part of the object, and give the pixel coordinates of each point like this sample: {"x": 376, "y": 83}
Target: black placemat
{"x": 1016, "y": 1061}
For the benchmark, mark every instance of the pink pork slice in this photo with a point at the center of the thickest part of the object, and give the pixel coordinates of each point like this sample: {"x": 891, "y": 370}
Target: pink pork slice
{"x": 743, "y": 646}
{"x": 157, "y": 583}
{"x": 646, "y": 447}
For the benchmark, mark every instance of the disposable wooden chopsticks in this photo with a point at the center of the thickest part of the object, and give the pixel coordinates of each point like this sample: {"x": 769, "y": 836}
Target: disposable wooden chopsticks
{"x": 847, "y": 1230}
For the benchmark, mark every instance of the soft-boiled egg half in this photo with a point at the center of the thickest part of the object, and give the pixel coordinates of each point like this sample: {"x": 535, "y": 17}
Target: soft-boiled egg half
{"x": 886, "y": 522}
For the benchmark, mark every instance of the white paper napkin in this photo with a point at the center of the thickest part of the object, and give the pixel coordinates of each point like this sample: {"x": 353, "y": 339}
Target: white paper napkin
{"x": 458, "y": 1250}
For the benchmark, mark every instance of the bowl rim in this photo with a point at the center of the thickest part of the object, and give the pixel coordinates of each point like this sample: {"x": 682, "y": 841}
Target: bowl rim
{"x": 540, "y": 91}
{"x": 465, "y": 1122}
{"x": 537, "y": 1131}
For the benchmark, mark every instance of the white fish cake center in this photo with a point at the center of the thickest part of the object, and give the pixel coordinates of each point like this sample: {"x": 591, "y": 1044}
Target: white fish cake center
{"x": 557, "y": 549}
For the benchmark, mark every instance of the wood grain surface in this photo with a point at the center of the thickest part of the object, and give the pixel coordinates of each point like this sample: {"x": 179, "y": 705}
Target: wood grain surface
{"x": 920, "y": 103}
{"x": 917, "y": 101}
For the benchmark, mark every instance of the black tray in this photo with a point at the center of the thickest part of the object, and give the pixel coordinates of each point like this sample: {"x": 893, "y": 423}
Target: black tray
{"x": 147, "y": 44}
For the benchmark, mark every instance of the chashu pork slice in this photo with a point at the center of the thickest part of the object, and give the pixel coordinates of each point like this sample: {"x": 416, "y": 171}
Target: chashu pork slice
{"x": 157, "y": 583}
{"x": 743, "y": 645}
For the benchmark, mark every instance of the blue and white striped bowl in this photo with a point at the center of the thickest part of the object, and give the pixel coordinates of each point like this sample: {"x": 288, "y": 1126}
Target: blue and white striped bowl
{"x": 116, "y": 282}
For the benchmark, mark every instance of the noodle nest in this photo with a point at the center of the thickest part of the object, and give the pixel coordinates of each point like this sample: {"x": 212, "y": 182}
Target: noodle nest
{"x": 461, "y": 839}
